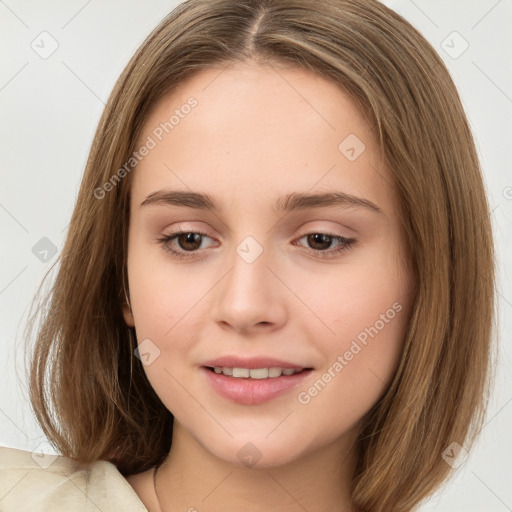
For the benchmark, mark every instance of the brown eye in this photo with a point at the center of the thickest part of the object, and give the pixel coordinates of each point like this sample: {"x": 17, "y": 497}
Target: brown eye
{"x": 183, "y": 244}
{"x": 189, "y": 241}
{"x": 321, "y": 244}
{"x": 319, "y": 241}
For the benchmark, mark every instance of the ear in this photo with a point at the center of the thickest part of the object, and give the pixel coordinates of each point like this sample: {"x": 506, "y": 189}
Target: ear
{"x": 128, "y": 316}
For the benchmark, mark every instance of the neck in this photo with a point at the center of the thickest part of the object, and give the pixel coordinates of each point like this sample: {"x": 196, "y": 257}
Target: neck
{"x": 193, "y": 479}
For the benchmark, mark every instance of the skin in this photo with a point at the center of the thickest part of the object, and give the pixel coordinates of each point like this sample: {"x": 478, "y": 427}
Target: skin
{"x": 259, "y": 132}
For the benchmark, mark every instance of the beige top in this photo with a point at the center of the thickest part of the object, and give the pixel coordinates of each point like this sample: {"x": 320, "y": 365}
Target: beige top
{"x": 47, "y": 483}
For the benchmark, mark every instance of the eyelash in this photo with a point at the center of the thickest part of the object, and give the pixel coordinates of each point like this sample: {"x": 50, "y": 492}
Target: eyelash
{"x": 345, "y": 244}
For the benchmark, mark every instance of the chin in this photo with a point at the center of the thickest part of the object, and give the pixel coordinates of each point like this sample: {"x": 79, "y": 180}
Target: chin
{"x": 258, "y": 451}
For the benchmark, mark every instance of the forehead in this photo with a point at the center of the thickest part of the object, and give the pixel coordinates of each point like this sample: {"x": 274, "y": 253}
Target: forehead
{"x": 259, "y": 129}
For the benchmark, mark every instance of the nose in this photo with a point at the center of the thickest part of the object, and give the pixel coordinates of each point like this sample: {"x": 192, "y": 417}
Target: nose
{"x": 250, "y": 297}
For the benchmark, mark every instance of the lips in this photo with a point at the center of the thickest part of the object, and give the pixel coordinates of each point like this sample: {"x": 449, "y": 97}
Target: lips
{"x": 252, "y": 381}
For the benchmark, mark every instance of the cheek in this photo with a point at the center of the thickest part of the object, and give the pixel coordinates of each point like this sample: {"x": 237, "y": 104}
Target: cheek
{"x": 164, "y": 299}
{"x": 347, "y": 299}
{"x": 163, "y": 294}
{"x": 360, "y": 360}
{"x": 165, "y": 304}
{"x": 364, "y": 309}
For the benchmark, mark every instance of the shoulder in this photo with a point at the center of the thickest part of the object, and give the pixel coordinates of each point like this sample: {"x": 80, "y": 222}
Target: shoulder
{"x": 38, "y": 483}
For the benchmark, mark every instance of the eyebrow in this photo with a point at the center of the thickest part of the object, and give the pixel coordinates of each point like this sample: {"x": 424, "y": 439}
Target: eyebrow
{"x": 291, "y": 202}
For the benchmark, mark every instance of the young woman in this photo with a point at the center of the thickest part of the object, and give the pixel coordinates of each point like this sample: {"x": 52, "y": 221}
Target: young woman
{"x": 277, "y": 288}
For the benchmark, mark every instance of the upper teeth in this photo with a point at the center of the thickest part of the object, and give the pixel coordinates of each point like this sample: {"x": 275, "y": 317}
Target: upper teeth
{"x": 256, "y": 373}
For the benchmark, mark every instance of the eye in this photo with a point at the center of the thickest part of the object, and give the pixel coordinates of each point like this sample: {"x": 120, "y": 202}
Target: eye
{"x": 321, "y": 241}
{"x": 187, "y": 241}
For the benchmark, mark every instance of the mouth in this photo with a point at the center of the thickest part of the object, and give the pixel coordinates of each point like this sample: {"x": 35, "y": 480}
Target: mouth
{"x": 253, "y": 383}
{"x": 273, "y": 372}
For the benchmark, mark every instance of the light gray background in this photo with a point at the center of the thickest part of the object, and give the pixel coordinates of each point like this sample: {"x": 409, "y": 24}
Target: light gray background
{"x": 49, "y": 111}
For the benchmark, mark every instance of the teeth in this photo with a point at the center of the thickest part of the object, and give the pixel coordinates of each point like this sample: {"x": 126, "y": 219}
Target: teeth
{"x": 241, "y": 372}
{"x": 274, "y": 372}
{"x": 256, "y": 373}
{"x": 259, "y": 373}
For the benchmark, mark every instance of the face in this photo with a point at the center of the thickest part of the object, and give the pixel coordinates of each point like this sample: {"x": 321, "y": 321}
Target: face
{"x": 233, "y": 268}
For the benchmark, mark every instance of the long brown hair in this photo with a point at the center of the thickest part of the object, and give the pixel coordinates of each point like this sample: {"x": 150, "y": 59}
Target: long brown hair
{"x": 88, "y": 390}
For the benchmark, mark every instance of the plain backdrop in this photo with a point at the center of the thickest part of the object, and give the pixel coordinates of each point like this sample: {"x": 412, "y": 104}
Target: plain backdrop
{"x": 52, "y": 94}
